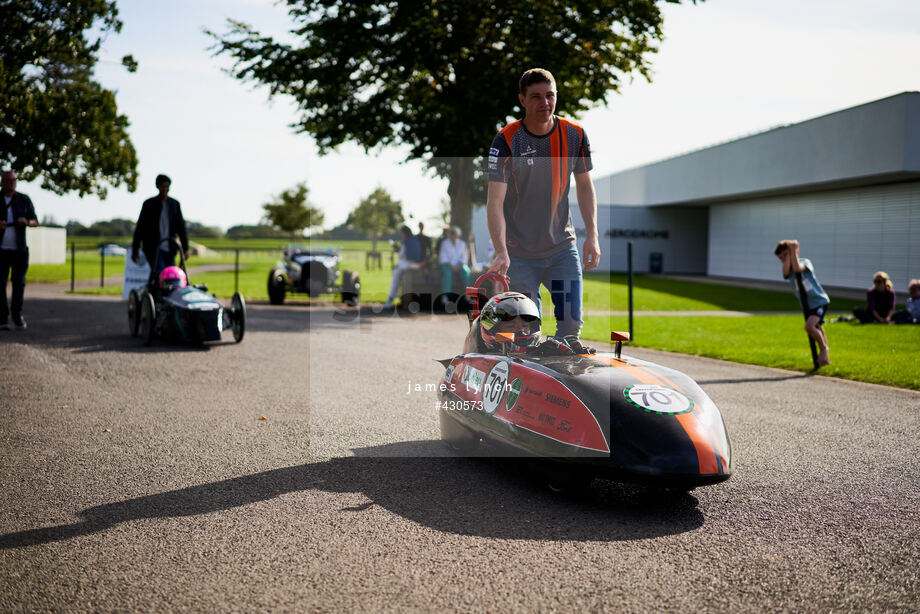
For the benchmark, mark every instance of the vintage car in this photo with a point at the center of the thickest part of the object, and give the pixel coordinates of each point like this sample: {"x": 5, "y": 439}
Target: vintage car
{"x": 313, "y": 273}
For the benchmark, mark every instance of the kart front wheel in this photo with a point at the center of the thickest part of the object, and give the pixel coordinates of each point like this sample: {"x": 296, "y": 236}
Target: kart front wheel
{"x": 238, "y": 316}
{"x": 133, "y": 313}
{"x": 277, "y": 287}
{"x": 148, "y": 318}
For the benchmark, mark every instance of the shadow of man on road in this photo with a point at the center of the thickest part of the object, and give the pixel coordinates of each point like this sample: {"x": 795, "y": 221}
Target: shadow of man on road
{"x": 481, "y": 497}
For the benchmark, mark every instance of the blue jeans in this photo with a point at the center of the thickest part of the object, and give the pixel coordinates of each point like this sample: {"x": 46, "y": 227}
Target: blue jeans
{"x": 447, "y": 277}
{"x": 561, "y": 274}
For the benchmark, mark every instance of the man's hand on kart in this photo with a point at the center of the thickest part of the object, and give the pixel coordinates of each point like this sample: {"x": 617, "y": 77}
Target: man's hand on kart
{"x": 500, "y": 263}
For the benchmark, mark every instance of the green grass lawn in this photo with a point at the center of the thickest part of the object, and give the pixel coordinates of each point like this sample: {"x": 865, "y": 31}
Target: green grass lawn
{"x": 880, "y": 354}
{"x": 869, "y": 353}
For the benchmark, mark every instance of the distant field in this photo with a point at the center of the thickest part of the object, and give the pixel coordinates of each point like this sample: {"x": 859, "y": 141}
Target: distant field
{"x": 877, "y": 354}
{"x": 91, "y": 243}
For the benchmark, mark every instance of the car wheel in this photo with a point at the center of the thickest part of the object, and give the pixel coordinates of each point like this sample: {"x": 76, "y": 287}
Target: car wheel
{"x": 277, "y": 287}
{"x": 238, "y": 316}
{"x": 148, "y": 318}
{"x": 351, "y": 288}
{"x": 411, "y": 302}
{"x": 133, "y": 313}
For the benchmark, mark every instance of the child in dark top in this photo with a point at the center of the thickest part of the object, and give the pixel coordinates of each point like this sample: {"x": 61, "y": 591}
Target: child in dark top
{"x": 879, "y": 301}
{"x": 911, "y": 315}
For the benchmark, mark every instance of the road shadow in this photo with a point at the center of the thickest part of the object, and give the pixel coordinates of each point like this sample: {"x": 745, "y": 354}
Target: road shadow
{"x": 463, "y": 496}
{"x": 92, "y": 325}
{"x": 750, "y": 380}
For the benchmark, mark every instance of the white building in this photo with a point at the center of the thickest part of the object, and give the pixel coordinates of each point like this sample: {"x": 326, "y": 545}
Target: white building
{"x": 846, "y": 185}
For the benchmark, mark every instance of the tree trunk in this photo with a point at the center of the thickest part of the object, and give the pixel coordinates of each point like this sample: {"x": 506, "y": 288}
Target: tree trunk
{"x": 460, "y": 189}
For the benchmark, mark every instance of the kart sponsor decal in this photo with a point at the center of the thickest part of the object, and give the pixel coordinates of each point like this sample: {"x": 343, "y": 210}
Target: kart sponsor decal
{"x": 513, "y": 393}
{"x": 658, "y": 399}
{"x": 196, "y": 297}
{"x": 541, "y": 404}
{"x": 448, "y": 373}
{"x": 496, "y": 384}
{"x": 529, "y": 390}
{"x": 472, "y": 378}
{"x": 526, "y": 401}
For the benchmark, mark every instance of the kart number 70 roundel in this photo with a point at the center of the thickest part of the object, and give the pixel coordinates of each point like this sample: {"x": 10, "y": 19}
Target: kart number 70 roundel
{"x": 658, "y": 399}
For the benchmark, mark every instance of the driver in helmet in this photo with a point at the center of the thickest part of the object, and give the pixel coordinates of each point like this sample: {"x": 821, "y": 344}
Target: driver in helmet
{"x": 172, "y": 278}
{"x": 508, "y": 312}
{"x": 513, "y": 312}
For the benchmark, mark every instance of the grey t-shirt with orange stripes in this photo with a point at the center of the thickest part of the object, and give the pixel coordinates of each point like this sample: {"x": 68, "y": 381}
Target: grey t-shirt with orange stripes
{"x": 537, "y": 170}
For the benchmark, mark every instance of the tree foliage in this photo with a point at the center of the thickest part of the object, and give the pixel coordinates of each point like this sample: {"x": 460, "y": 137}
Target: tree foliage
{"x": 376, "y": 215}
{"x": 441, "y": 77}
{"x": 290, "y": 211}
{"x": 56, "y": 122}
{"x": 260, "y": 231}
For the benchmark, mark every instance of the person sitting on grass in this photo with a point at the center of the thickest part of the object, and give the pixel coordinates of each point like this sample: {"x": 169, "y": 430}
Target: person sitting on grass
{"x": 880, "y": 301}
{"x": 911, "y": 315}
{"x": 816, "y": 297}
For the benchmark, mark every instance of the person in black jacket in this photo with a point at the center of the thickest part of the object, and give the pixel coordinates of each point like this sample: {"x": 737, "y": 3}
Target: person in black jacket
{"x": 16, "y": 212}
{"x": 159, "y": 222}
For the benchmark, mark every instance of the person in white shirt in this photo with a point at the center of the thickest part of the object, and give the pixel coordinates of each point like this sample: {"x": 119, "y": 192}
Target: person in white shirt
{"x": 452, "y": 259}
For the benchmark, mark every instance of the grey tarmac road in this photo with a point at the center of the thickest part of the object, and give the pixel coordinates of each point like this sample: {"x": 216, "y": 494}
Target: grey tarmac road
{"x": 143, "y": 479}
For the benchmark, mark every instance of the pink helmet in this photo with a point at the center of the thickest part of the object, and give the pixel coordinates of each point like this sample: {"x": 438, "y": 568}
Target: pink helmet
{"x": 172, "y": 277}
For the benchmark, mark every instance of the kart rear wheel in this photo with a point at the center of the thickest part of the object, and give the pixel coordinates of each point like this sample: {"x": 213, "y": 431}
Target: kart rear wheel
{"x": 351, "y": 288}
{"x": 277, "y": 287}
{"x": 564, "y": 480}
{"x": 238, "y": 316}
{"x": 148, "y": 318}
{"x": 133, "y": 313}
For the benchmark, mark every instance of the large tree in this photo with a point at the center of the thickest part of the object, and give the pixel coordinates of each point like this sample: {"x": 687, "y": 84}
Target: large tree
{"x": 376, "y": 215}
{"x": 291, "y": 212}
{"x": 56, "y": 122}
{"x": 441, "y": 76}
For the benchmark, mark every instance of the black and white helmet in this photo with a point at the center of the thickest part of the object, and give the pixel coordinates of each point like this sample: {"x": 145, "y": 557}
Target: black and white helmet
{"x": 510, "y": 312}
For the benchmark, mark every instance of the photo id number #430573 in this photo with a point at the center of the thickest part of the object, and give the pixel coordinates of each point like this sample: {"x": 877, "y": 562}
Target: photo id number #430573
{"x": 459, "y": 405}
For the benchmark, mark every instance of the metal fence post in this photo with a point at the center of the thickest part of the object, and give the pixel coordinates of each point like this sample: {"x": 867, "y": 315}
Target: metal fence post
{"x": 102, "y": 268}
{"x": 629, "y": 268}
{"x": 73, "y": 263}
{"x": 236, "y": 272}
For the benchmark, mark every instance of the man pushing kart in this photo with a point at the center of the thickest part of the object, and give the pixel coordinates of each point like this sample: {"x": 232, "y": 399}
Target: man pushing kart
{"x": 529, "y": 222}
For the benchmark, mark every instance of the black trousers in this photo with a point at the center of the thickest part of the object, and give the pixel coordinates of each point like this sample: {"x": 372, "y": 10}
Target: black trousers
{"x": 13, "y": 266}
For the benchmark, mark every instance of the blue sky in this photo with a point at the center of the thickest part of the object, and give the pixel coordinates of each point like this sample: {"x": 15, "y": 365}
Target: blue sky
{"x": 726, "y": 68}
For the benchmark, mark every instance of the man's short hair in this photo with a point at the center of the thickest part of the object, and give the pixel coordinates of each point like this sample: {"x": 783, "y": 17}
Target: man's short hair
{"x": 161, "y": 178}
{"x": 454, "y": 230}
{"x": 780, "y": 248}
{"x": 536, "y": 75}
{"x": 913, "y": 283}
